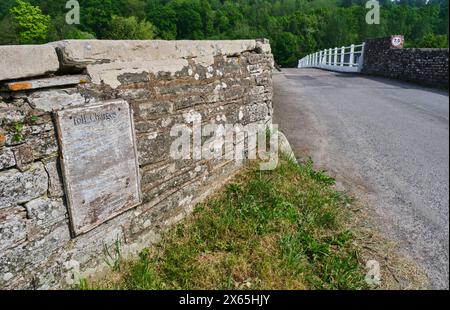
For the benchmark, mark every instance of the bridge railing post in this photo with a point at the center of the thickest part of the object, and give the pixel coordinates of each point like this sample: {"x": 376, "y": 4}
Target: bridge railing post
{"x": 330, "y": 59}
{"x": 361, "y": 58}
{"x": 342, "y": 56}
{"x": 352, "y": 55}
{"x": 335, "y": 55}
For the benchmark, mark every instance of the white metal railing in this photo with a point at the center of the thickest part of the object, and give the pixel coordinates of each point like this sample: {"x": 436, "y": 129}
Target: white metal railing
{"x": 344, "y": 59}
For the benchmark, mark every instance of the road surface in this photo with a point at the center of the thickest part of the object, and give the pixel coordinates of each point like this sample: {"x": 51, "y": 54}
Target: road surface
{"x": 388, "y": 141}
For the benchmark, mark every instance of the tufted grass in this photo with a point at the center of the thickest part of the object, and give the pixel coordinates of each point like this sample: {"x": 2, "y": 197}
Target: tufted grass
{"x": 281, "y": 229}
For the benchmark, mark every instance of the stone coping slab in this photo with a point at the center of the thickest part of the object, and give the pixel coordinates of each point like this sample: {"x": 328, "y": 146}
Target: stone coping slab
{"x": 80, "y": 53}
{"x": 23, "y": 61}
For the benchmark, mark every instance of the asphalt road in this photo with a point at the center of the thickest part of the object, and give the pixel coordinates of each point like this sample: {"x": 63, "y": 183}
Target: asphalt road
{"x": 388, "y": 141}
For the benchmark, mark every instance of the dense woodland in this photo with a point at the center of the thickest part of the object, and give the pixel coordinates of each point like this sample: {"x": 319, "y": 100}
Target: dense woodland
{"x": 295, "y": 27}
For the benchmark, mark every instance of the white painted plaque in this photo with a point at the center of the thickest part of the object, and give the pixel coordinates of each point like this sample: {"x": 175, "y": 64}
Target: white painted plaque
{"x": 99, "y": 162}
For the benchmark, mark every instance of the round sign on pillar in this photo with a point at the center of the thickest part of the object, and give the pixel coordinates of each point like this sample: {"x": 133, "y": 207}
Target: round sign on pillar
{"x": 397, "y": 41}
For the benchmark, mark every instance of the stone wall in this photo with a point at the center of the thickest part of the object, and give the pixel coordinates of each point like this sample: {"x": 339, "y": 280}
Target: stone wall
{"x": 163, "y": 82}
{"x": 426, "y": 66}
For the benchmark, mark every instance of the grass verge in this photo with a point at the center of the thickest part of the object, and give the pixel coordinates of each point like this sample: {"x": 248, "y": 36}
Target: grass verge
{"x": 281, "y": 229}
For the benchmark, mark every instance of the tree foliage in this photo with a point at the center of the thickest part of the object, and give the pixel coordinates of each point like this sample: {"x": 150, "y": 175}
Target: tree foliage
{"x": 29, "y": 22}
{"x": 295, "y": 27}
{"x": 129, "y": 28}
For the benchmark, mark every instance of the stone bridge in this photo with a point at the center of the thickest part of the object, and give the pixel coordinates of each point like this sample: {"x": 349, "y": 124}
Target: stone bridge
{"x": 386, "y": 140}
{"x": 85, "y": 137}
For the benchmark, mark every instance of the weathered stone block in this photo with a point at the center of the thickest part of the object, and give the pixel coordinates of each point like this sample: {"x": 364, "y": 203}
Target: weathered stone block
{"x": 154, "y": 175}
{"x": 176, "y": 182}
{"x": 55, "y": 182}
{"x": 153, "y": 147}
{"x": 7, "y": 158}
{"x": 24, "y": 156}
{"x": 11, "y": 114}
{"x": 12, "y": 227}
{"x": 111, "y": 74}
{"x": 22, "y": 264}
{"x": 19, "y": 187}
{"x": 149, "y": 109}
{"x": 35, "y": 129}
{"x": 80, "y": 53}
{"x": 44, "y": 144}
{"x": 189, "y": 101}
{"x": 56, "y": 99}
{"x": 43, "y": 213}
{"x": 21, "y": 61}
{"x": 164, "y": 122}
{"x": 45, "y": 82}
{"x": 255, "y": 112}
{"x": 167, "y": 210}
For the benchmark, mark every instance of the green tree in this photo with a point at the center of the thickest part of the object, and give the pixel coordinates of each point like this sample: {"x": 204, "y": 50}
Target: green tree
{"x": 8, "y": 31}
{"x": 164, "y": 18}
{"x": 286, "y": 49}
{"x": 32, "y": 25}
{"x": 96, "y": 16}
{"x": 5, "y": 6}
{"x": 433, "y": 40}
{"x": 129, "y": 8}
{"x": 129, "y": 28}
{"x": 60, "y": 30}
{"x": 189, "y": 21}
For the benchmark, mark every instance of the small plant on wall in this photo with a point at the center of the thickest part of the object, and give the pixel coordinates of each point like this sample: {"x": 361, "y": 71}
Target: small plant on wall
{"x": 17, "y": 132}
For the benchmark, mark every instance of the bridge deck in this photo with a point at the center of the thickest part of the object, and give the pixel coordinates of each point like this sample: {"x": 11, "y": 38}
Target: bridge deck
{"x": 388, "y": 141}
